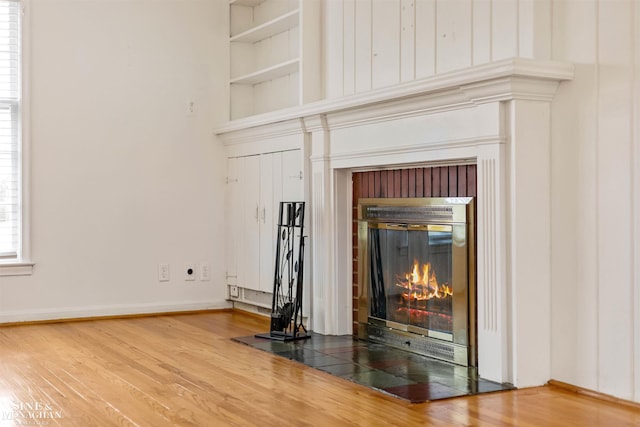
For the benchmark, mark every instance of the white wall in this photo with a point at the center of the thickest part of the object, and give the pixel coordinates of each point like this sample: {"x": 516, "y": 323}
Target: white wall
{"x": 596, "y": 197}
{"x": 377, "y": 43}
{"x": 595, "y": 153}
{"x": 122, "y": 177}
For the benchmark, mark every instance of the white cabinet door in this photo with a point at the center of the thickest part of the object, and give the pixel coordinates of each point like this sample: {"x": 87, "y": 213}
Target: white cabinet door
{"x": 257, "y": 185}
{"x": 292, "y": 179}
{"x": 268, "y": 190}
{"x": 249, "y": 254}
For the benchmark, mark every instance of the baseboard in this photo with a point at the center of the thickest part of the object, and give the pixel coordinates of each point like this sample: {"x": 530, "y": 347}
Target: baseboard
{"x": 594, "y": 394}
{"x": 251, "y": 309}
{"x": 94, "y": 312}
{"x": 257, "y": 315}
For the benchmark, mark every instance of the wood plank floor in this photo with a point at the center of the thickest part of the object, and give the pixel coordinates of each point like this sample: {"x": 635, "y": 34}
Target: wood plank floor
{"x": 185, "y": 370}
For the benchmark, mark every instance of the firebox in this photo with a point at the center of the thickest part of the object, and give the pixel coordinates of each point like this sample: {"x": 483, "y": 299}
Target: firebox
{"x": 416, "y": 287}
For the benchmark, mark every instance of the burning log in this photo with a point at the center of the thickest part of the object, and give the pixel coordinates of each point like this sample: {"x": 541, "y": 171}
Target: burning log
{"x": 422, "y": 287}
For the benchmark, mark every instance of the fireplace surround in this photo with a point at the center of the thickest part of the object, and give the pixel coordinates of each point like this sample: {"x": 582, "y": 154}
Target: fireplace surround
{"x": 496, "y": 116}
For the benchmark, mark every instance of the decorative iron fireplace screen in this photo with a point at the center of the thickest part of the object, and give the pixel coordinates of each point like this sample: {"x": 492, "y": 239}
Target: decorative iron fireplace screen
{"x": 416, "y": 290}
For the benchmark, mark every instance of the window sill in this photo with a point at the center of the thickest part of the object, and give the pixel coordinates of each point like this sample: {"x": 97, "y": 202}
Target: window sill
{"x": 16, "y": 269}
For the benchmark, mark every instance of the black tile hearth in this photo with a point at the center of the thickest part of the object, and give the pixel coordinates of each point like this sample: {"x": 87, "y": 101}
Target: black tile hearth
{"x": 396, "y": 372}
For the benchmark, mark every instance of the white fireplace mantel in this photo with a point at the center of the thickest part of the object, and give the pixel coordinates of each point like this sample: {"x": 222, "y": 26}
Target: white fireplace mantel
{"x": 495, "y": 115}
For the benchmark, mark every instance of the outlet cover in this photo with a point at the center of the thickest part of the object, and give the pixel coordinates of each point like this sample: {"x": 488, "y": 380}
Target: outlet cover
{"x": 205, "y": 271}
{"x": 163, "y": 272}
{"x": 234, "y": 291}
{"x": 190, "y": 272}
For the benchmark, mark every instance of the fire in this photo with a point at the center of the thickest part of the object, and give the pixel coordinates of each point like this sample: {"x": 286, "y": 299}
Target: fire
{"x": 423, "y": 285}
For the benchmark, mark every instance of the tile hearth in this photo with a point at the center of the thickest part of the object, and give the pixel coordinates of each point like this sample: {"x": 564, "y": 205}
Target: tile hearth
{"x": 396, "y": 372}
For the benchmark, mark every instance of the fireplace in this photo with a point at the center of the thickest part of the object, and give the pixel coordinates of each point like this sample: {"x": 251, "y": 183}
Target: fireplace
{"x": 416, "y": 287}
{"x": 496, "y": 116}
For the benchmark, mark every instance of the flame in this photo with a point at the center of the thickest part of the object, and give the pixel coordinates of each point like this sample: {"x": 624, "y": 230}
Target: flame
{"x": 423, "y": 286}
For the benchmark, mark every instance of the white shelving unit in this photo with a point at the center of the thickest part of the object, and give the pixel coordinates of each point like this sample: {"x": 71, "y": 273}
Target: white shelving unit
{"x": 275, "y": 49}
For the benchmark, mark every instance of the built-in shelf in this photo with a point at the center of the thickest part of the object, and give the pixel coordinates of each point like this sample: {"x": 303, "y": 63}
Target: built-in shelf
{"x": 271, "y": 28}
{"x": 270, "y": 73}
{"x": 274, "y": 41}
{"x": 250, "y": 3}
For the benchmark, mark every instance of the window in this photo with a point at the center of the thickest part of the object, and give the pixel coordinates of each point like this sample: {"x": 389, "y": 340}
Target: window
{"x": 11, "y": 212}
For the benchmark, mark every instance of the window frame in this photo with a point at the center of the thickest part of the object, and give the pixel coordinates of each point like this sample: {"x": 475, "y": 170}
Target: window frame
{"x": 22, "y": 264}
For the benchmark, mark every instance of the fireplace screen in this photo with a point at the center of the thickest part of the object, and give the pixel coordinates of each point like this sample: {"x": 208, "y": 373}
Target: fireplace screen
{"x": 411, "y": 275}
{"x": 416, "y": 289}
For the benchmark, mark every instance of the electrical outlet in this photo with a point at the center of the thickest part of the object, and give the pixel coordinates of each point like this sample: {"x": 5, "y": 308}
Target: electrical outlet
{"x": 190, "y": 272}
{"x": 163, "y": 272}
{"x": 233, "y": 291}
{"x": 205, "y": 271}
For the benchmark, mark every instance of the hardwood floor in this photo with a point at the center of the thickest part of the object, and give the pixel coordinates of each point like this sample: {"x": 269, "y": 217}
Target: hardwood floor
{"x": 184, "y": 370}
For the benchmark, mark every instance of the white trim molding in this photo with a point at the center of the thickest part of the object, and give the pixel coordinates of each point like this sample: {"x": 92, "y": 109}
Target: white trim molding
{"x": 16, "y": 268}
{"x": 500, "y": 80}
{"x": 111, "y": 310}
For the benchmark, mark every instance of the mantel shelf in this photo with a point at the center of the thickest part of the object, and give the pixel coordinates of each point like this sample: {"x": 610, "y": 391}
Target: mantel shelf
{"x": 513, "y": 78}
{"x": 273, "y": 72}
{"x": 271, "y": 28}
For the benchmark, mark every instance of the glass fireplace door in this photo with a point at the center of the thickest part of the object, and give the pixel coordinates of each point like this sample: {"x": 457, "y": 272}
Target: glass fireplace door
{"x": 410, "y": 277}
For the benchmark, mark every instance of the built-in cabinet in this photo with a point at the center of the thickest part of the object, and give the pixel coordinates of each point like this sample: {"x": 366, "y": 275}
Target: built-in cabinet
{"x": 256, "y": 186}
{"x": 274, "y": 52}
